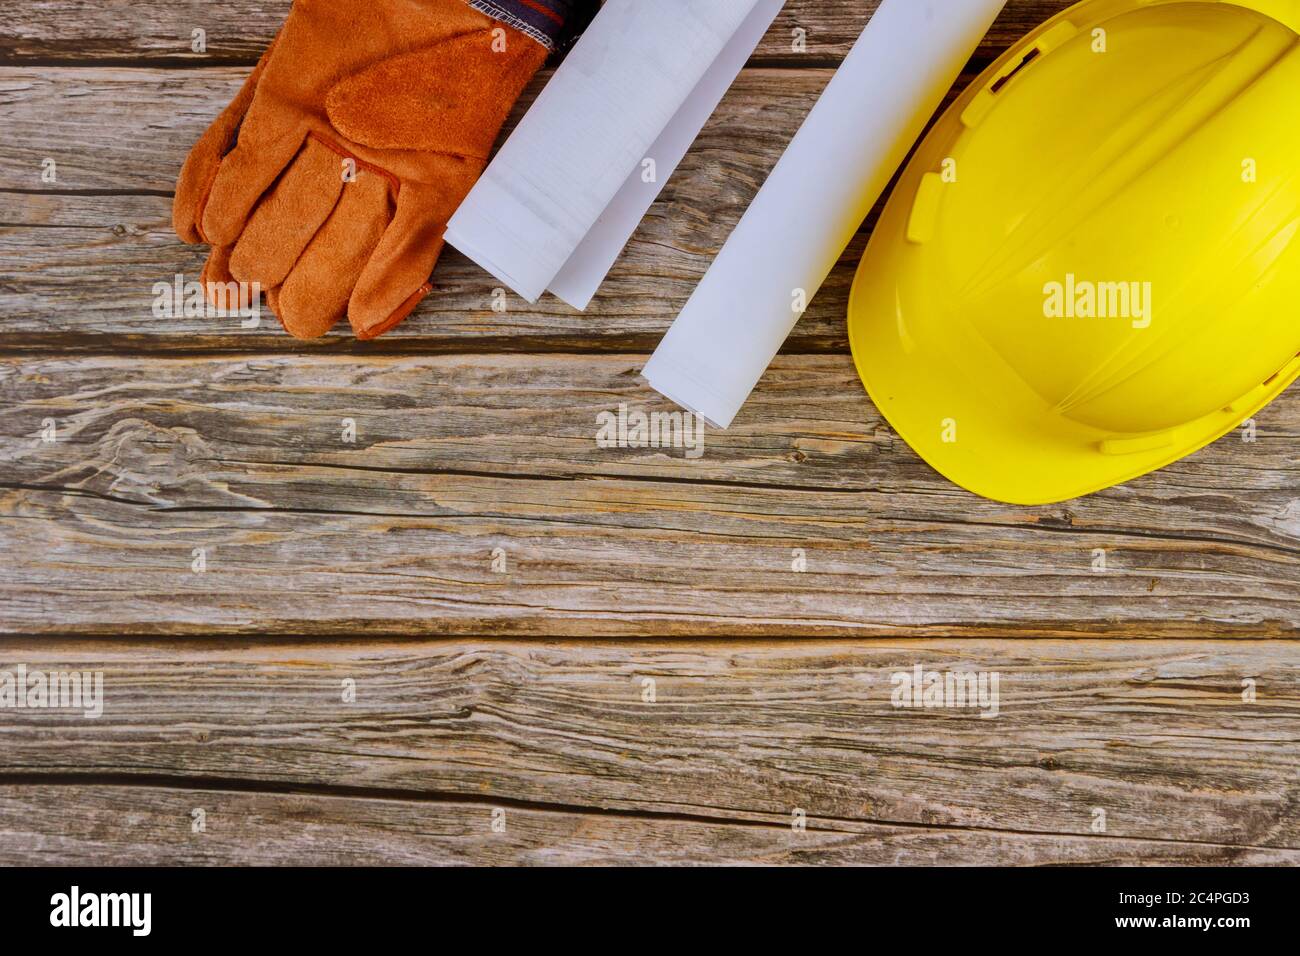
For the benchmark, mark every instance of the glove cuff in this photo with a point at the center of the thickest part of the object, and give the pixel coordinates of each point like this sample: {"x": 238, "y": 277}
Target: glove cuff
{"x": 549, "y": 22}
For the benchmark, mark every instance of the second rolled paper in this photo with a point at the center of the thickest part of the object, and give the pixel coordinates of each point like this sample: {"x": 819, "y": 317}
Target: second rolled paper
{"x": 814, "y": 201}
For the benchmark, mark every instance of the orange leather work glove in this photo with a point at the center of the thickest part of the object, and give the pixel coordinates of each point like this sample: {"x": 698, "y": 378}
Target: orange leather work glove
{"x": 330, "y": 178}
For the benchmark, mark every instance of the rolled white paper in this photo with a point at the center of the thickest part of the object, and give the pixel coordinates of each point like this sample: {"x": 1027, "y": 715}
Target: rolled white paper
{"x": 814, "y": 201}
{"x": 590, "y": 263}
{"x": 590, "y": 128}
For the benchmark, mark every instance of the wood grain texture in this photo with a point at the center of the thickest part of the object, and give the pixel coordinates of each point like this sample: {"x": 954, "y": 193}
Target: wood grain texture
{"x": 560, "y": 737}
{"x": 333, "y": 562}
{"x": 145, "y": 31}
{"x": 457, "y": 456}
{"x": 151, "y": 826}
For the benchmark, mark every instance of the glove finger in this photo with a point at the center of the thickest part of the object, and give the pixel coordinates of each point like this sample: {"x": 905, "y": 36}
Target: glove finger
{"x": 222, "y": 290}
{"x": 315, "y": 294}
{"x": 273, "y": 303}
{"x": 396, "y": 278}
{"x": 288, "y": 216}
{"x": 242, "y": 178}
{"x": 201, "y": 164}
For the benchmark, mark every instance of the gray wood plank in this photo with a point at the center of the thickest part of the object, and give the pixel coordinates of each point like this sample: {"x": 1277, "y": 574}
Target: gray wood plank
{"x": 145, "y": 826}
{"x": 458, "y": 456}
{"x": 144, "y": 31}
{"x": 78, "y": 271}
{"x": 739, "y": 735}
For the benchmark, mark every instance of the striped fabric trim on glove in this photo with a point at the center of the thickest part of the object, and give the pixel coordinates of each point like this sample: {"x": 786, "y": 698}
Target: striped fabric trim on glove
{"x": 549, "y": 22}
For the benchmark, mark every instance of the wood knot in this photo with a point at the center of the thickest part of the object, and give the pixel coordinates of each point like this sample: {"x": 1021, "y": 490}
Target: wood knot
{"x": 1063, "y": 520}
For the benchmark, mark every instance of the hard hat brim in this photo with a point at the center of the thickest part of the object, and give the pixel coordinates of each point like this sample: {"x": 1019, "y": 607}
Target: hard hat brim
{"x": 1011, "y": 446}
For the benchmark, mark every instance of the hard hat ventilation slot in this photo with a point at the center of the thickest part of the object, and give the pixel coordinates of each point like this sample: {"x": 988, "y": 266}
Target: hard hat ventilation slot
{"x": 1003, "y": 80}
{"x": 1284, "y": 370}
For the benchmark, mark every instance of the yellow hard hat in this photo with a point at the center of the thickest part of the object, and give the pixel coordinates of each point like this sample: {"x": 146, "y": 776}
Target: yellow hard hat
{"x": 1091, "y": 267}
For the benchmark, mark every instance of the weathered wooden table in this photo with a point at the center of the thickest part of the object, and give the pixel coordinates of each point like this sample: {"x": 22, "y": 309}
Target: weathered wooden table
{"x": 470, "y": 635}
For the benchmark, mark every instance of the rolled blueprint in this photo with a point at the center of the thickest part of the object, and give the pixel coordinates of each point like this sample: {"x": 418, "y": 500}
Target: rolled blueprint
{"x": 591, "y": 127}
{"x": 814, "y": 201}
{"x": 587, "y": 267}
